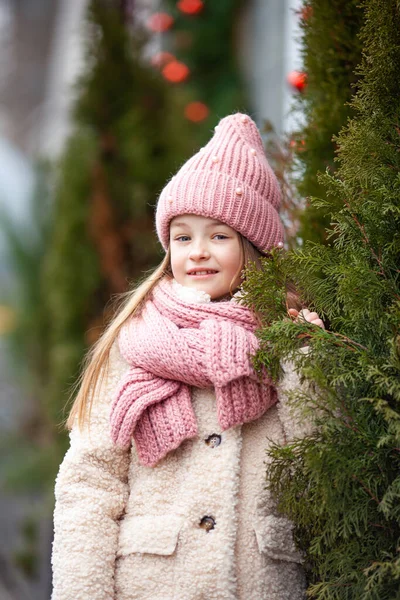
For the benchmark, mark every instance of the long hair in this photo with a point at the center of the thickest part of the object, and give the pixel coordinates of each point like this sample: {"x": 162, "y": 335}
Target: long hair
{"x": 95, "y": 364}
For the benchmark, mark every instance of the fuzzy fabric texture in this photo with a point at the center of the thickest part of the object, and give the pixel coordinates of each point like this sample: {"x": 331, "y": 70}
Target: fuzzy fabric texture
{"x": 171, "y": 346}
{"x": 123, "y": 531}
{"x": 230, "y": 180}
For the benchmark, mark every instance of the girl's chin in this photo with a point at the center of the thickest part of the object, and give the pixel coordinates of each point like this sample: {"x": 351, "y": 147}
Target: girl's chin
{"x": 204, "y": 286}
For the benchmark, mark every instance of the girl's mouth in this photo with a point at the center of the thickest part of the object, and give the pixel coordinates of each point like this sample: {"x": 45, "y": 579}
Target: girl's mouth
{"x": 202, "y": 273}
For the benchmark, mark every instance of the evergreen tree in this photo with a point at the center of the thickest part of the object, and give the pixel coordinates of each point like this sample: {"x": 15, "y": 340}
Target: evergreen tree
{"x": 331, "y": 51}
{"x": 341, "y": 484}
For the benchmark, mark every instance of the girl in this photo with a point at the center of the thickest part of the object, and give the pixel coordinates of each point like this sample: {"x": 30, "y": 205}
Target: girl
{"x": 161, "y": 495}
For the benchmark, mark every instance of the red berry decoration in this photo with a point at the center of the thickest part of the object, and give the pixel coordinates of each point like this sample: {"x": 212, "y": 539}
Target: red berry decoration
{"x": 159, "y": 22}
{"x": 190, "y": 7}
{"x": 297, "y": 80}
{"x": 175, "y": 72}
{"x": 196, "y": 111}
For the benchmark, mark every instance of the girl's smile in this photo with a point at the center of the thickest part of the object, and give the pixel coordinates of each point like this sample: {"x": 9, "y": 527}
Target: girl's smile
{"x": 201, "y": 273}
{"x": 206, "y": 254}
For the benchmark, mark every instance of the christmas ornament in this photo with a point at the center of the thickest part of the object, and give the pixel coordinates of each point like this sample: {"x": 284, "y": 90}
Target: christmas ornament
{"x": 297, "y": 80}
{"x": 190, "y": 7}
{"x": 196, "y": 111}
{"x": 159, "y": 22}
{"x": 175, "y": 72}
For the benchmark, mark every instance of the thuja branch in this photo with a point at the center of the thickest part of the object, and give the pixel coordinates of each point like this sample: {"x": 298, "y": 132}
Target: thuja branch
{"x": 365, "y": 238}
{"x": 366, "y": 489}
{"x": 338, "y": 335}
{"x": 349, "y": 340}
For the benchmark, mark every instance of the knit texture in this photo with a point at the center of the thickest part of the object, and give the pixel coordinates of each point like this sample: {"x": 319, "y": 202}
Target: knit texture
{"x": 171, "y": 346}
{"x": 230, "y": 180}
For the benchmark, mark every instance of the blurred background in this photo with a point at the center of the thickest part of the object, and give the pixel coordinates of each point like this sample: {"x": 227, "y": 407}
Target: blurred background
{"x": 100, "y": 103}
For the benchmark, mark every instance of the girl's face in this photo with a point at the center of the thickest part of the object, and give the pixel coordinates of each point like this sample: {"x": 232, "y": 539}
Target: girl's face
{"x": 205, "y": 254}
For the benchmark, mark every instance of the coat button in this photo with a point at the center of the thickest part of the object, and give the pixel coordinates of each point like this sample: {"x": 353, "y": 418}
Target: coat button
{"x": 207, "y": 523}
{"x": 213, "y": 440}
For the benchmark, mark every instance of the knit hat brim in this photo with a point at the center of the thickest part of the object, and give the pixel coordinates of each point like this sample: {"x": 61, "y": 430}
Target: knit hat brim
{"x": 244, "y": 208}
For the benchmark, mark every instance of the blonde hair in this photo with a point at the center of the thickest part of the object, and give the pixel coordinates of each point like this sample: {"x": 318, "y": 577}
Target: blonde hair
{"x": 95, "y": 364}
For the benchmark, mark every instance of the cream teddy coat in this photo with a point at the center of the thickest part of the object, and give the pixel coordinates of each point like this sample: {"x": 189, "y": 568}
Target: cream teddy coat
{"x": 123, "y": 531}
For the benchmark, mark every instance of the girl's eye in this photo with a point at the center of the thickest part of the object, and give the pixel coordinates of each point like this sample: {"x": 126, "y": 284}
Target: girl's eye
{"x": 182, "y": 238}
{"x": 220, "y": 236}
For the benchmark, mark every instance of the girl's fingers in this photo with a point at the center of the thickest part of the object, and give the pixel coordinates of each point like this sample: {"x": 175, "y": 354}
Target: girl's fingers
{"x": 318, "y": 322}
{"x": 306, "y": 315}
{"x": 303, "y": 314}
{"x": 311, "y": 316}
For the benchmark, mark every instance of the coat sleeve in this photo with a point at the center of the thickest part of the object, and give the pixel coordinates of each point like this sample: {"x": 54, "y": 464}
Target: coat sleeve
{"x": 295, "y": 424}
{"x": 91, "y": 492}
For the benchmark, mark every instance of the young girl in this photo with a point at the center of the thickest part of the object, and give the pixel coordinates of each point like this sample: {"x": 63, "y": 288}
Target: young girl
{"x": 161, "y": 495}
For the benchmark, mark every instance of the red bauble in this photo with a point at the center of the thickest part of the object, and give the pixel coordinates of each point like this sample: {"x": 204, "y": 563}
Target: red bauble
{"x": 196, "y": 111}
{"x": 160, "y": 59}
{"x": 297, "y": 80}
{"x": 175, "y": 72}
{"x": 190, "y": 7}
{"x": 159, "y": 22}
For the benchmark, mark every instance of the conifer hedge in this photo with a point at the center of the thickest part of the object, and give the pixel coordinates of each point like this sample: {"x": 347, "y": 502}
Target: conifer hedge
{"x": 331, "y": 51}
{"x": 341, "y": 484}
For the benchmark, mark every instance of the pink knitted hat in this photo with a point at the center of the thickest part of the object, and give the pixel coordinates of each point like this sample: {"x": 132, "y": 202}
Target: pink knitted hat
{"x": 229, "y": 180}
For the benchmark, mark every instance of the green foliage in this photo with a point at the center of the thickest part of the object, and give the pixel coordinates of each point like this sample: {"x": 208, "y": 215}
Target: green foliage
{"x": 331, "y": 52}
{"x": 71, "y": 272}
{"x": 26, "y": 247}
{"x": 341, "y": 485}
{"x": 26, "y": 557}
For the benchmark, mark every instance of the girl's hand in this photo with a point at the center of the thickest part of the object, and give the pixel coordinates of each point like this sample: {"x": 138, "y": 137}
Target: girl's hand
{"x": 306, "y": 315}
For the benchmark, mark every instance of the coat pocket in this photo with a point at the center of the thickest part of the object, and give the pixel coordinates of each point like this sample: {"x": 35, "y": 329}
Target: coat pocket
{"x": 150, "y": 534}
{"x": 275, "y": 539}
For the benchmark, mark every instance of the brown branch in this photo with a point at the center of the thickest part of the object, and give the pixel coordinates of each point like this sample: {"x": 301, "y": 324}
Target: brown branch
{"x": 347, "y": 414}
{"x": 366, "y": 489}
{"x": 349, "y": 340}
{"x": 105, "y": 234}
{"x": 345, "y": 338}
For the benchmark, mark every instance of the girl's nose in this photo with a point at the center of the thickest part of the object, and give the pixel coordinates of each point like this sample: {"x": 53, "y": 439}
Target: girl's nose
{"x": 198, "y": 252}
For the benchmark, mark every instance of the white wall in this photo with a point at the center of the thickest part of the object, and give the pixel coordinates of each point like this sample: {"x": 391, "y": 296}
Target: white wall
{"x": 66, "y": 62}
{"x": 268, "y": 50}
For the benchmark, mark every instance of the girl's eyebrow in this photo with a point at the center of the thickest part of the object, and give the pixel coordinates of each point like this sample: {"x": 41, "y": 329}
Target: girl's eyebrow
{"x": 212, "y": 224}
{"x": 178, "y": 224}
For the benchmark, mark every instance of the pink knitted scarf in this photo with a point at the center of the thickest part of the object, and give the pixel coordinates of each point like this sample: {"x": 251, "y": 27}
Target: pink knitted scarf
{"x": 171, "y": 346}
